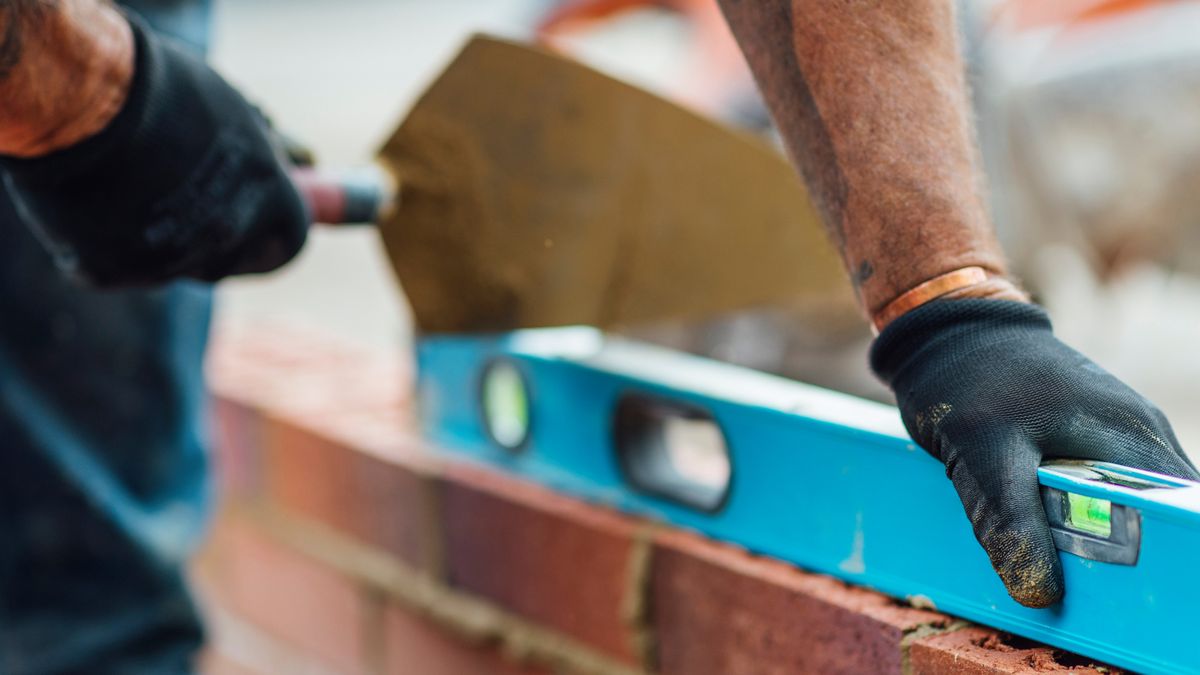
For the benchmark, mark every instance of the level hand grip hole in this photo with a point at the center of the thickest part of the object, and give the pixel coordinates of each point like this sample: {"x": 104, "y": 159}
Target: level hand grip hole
{"x": 672, "y": 450}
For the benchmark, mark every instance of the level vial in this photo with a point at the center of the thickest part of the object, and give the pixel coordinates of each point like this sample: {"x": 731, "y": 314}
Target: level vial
{"x": 1089, "y": 514}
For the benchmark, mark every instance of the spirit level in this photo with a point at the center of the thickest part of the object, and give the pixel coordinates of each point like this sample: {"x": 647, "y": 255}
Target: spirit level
{"x": 827, "y": 481}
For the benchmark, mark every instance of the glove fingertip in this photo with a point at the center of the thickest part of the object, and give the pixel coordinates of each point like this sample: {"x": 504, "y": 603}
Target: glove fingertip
{"x": 1037, "y": 587}
{"x": 1029, "y": 567}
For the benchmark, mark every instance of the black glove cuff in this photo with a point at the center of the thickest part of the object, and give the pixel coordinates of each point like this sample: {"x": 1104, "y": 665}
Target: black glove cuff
{"x": 950, "y": 325}
{"x": 183, "y": 182}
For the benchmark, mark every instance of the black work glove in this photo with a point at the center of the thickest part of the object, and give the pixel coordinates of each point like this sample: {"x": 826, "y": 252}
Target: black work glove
{"x": 184, "y": 182}
{"x": 985, "y": 387}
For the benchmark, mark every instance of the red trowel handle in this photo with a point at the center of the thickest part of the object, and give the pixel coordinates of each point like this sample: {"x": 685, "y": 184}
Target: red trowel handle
{"x": 361, "y": 195}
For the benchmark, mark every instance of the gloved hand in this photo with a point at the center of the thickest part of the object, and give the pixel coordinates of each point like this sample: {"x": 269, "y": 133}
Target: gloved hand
{"x": 986, "y": 388}
{"x": 185, "y": 181}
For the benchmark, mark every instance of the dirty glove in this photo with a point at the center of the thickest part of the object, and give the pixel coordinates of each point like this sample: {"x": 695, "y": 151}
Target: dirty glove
{"x": 986, "y": 388}
{"x": 184, "y": 182}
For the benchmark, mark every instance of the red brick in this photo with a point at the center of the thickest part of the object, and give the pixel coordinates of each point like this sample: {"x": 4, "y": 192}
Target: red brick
{"x": 215, "y": 663}
{"x": 413, "y": 647}
{"x": 550, "y": 559}
{"x": 237, "y": 432}
{"x": 300, "y": 375}
{"x": 389, "y": 433}
{"x": 983, "y": 651}
{"x": 381, "y": 503}
{"x": 717, "y": 609}
{"x": 288, "y": 595}
{"x": 277, "y": 344}
{"x": 359, "y": 396}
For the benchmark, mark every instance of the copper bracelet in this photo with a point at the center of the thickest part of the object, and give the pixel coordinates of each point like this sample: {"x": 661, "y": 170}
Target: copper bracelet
{"x": 926, "y": 291}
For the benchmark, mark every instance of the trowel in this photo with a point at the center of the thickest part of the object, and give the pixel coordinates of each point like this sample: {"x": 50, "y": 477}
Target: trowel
{"x": 532, "y": 191}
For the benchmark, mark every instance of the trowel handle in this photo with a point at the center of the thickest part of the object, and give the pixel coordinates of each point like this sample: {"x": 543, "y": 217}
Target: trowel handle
{"x": 358, "y": 196}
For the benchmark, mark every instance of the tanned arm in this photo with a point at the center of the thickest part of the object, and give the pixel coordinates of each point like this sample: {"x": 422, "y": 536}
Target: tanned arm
{"x": 870, "y": 100}
{"x": 65, "y": 70}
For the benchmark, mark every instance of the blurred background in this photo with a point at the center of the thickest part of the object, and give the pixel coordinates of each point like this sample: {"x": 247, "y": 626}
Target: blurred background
{"x": 1089, "y": 120}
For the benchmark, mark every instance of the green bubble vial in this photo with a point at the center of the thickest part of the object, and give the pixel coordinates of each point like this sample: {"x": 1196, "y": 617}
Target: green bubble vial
{"x": 1089, "y": 515}
{"x": 506, "y": 405}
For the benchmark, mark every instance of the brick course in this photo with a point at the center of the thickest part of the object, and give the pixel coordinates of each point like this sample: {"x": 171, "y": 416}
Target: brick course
{"x": 392, "y": 559}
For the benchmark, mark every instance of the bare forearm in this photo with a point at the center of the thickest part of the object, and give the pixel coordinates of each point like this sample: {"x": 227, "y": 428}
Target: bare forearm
{"x": 870, "y": 100}
{"x": 65, "y": 69}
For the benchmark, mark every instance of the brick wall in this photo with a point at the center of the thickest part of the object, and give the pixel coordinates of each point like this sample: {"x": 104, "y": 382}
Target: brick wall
{"x": 345, "y": 546}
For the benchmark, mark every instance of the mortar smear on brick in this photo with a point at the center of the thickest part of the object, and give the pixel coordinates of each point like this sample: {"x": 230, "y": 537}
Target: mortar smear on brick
{"x": 636, "y": 605}
{"x": 923, "y": 631}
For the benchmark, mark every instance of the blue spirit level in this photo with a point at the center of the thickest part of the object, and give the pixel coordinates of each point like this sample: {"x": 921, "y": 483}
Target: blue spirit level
{"x": 827, "y": 481}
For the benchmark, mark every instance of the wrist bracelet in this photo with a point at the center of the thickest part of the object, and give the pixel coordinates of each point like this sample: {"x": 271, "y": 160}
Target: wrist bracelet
{"x": 926, "y": 291}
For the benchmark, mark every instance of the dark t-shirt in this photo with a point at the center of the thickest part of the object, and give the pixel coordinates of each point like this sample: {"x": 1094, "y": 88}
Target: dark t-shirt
{"x": 103, "y": 485}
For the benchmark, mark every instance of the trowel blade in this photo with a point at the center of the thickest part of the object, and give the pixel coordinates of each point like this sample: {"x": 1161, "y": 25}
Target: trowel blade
{"x": 535, "y": 191}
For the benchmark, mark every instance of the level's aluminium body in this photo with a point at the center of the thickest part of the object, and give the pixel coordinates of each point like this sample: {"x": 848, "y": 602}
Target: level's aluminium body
{"x": 826, "y": 481}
